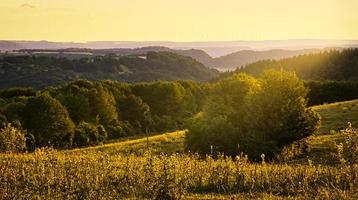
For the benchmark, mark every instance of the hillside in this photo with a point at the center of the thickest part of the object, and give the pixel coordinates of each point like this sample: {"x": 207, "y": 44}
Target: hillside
{"x": 328, "y": 65}
{"x": 240, "y": 58}
{"x": 223, "y": 63}
{"x": 196, "y": 54}
{"x": 42, "y": 71}
{"x": 335, "y": 117}
{"x": 172, "y": 142}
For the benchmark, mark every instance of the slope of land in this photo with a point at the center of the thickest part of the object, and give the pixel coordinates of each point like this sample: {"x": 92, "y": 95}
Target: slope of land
{"x": 329, "y": 65}
{"x": 241, "y": 58}
{"x": 335, "y": 117}
{"x": 107, "y": 172}
{"x": 164, "y": 143}
{"x": 222, "y": 63}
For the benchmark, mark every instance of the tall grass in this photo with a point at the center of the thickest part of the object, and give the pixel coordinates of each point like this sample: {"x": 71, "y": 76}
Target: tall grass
{"x": 48, "y": 174}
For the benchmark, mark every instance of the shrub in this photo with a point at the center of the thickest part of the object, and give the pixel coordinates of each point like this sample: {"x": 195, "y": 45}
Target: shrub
{"x": 12, "y": 139}
{"x": 348, "y": 150}
{"x": 88, "y": 134}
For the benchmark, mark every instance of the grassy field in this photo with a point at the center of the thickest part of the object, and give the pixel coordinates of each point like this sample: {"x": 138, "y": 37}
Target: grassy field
{"x": 164, "y": 143}
{"x": 156, "y": 168}
{"x": 335, "y": 116}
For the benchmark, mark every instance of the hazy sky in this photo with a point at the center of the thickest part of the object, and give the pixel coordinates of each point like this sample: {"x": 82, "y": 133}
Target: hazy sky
{"x": 177, "y": 20}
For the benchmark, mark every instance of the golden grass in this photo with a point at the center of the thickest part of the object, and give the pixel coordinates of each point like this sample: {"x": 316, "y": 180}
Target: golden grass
{"x": 335, "y": 116}
{"x": 130, "y": 169}
{"x": 164, "y": 143}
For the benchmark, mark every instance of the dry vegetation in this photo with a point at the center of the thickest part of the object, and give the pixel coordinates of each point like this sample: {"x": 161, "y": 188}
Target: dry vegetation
{"x": 49, "y": 174}
{"x": 126, "y": 170}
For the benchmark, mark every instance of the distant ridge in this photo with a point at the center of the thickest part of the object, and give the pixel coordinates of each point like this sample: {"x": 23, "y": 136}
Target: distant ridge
{"x": 213, "y": 48}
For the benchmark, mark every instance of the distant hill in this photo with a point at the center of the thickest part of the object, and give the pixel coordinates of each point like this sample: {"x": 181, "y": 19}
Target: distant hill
{"x": 213, "y": 48}
{"x": 240, "y": 53}
{"x": 41, "y": 71}
{"x": 240, "y": 58}
{"x": 198, "y": 55}
{"x": 223, "y": 63}
{"x": 328, "y": 65}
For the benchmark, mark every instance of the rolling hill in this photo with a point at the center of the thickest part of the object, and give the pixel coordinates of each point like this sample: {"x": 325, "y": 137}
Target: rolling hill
{"x": 241, "y": 58}
{"x": 41, "y": 71}
{"x": 222, "y": 63}
{"x": 328, "y": 65}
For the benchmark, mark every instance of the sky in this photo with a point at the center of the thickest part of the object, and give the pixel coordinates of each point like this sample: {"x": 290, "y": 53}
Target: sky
{"x": 177, "y": 20}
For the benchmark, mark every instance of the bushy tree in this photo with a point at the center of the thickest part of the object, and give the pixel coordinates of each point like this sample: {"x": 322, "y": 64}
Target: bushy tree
{"x": 103, "y": 105}
{"x": 135, "y": 111}
{"x": 279, "y": 113}
{"x": 89, "y": 134}
{"x": 88, "y": 102}
{"x": 223, "y": 121}
{"x": 12, "y": 139}
{"x": 48, "y": 121}
{"x": 13, "y": 111}
{"x": 76, "y": 100}
{"x": 243, "y": 114}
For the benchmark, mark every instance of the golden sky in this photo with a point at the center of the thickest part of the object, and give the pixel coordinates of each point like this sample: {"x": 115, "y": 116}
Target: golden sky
{"x": 177, "y": 20}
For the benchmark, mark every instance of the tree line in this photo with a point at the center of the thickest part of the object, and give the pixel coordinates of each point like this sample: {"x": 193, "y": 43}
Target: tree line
{"x": 237, "y": 114}
{"x": 339, "y": 65}
{"x": 84, "y": 112}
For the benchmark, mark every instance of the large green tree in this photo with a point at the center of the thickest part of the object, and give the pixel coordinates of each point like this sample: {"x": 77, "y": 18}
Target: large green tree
{"x": 48, "y": 120}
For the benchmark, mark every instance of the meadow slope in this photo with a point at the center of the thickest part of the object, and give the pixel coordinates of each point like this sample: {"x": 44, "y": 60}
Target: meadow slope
{"x": 126, "y": 170}
{"x": 334, "y": 116}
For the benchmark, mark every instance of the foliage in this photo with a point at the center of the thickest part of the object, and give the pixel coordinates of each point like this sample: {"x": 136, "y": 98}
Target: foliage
{"x": 253, "y": 116}
{"x": 348, "y": 150}
{"x": 16, "y": 92}
{"x": 328, "y": 65}
{"x": 321, "y": 92}
{"x": 12, "y": 139}
{"x": 89, "y": 134}
{"x": 48, "y": 121}
{"x": 135, "y": 111}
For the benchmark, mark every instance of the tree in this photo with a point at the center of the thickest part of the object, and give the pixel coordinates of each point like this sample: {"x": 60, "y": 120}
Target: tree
{"x": 223, "y": 119}
{"x": 279, "y": 113}
{"x": 253, "y": 116}
{"x": 135, "y": 111}
{"x": 48, "y": 121}
{"x": 87, "y": 134}
{"x": 103, "y": 105}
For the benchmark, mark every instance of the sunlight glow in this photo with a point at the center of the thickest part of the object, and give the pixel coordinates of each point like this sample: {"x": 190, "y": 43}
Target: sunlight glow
{"x": 177, "y": 20}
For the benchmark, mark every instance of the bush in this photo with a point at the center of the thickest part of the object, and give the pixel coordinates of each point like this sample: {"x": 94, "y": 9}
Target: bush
{"x": 348, "y": 150}
{"x": 253, "y": 116}
{"x": 89, "y": 134}
{"x": 12, "y": 139}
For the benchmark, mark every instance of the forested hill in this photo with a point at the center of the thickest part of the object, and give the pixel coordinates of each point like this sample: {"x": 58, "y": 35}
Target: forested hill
{"x": 240, "y": 58}
{"x": 42, "y": 71}
{"x": 197, "y": 54}
{"x": 328, "y": 65}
